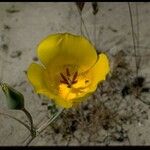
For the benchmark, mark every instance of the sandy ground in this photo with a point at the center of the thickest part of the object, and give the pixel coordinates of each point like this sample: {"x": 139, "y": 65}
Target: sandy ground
{"x": 24, "y": 24}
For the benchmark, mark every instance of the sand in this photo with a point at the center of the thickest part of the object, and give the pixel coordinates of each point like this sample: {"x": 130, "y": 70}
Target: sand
{"x": 23, "y": 25}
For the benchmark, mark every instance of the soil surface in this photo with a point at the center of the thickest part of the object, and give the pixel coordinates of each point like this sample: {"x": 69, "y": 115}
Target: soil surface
{"x": 116, "y": 114}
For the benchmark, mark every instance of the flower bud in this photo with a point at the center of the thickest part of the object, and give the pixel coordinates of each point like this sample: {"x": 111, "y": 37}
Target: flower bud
{"x": 15, "y": 100}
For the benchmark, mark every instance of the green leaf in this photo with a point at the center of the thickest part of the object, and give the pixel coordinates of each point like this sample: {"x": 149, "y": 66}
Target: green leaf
{"x": 15, "y": 100}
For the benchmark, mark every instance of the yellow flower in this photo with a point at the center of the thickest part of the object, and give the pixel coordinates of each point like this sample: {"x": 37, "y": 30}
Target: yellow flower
{"x": 70, "y": 69}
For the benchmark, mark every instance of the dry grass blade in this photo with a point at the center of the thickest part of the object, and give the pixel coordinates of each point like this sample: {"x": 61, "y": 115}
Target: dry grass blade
{"x": 95, "y": 8}
{"x": 133, "y": 37}
{"x": 80, "y": 5}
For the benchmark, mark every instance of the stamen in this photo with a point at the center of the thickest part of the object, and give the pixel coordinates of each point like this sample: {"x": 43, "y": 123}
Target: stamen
{"x": 75, "y": 81}
{"x": 62, "y": 81}
{"x": 75, "y": 76}
{"x": 64, "y": 78}
{"x": 67, "y": 72}
{"x": 67, "y": 80}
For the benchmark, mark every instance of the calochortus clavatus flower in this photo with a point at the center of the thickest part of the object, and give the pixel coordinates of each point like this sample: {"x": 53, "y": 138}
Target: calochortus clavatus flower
{"x": 70, "y": 69}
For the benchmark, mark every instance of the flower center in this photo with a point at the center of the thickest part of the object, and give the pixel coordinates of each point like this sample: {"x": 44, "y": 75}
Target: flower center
{"x": 72, "y": 84}
{"x": 68, "y": 78}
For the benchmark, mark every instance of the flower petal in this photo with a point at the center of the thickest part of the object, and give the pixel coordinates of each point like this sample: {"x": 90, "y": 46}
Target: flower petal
{"x": 37, "y": 77}
{"x": 63, "y": 49}
{"x": 70, "y": 103}
{"x": 99, "y": 71}
{"x": 63, "y": 102}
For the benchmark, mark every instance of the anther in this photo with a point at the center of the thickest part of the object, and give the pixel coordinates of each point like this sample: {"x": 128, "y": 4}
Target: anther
{"x": 64, "y": 79}
{"x": 75, "y": 76}
{"x": 73, "y": 82}
{"x": 67, "y": 72}
{"x": 67, "y": 80}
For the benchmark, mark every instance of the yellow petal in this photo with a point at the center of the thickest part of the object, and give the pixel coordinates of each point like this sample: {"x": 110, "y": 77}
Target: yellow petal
{"x": 66, "y": 49}
{"x": 70, "y": 103}
{"x": 63, "y": 102}
{"x": 99, "y": 72}
{"x": 37, "y": 77}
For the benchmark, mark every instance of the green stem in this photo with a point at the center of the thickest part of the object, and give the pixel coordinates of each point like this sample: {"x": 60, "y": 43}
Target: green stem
{"x": 45, "y": 125}
{"x": 33, "y": 133}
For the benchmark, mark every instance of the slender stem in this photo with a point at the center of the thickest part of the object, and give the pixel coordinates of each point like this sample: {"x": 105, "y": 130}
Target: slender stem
{"x": 95, "y": 31}
{"x": 30, "y": 120}
{"x": 133, "y": 37}
{"x": 138, "y": 36}
{"x": 32, "y": 138}
{"x": 138, "y": 33}
{"x": 85, "y": 28}
{"x": 44, "y": 126}
{"x": 82, "y": 22}
{"x": 25, "y": 125}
